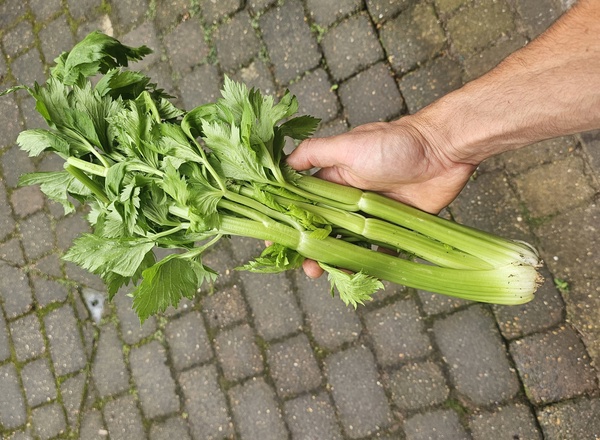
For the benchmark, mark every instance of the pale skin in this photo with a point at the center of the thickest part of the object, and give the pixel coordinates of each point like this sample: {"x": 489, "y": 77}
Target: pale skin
{"x": 547, "y": 89}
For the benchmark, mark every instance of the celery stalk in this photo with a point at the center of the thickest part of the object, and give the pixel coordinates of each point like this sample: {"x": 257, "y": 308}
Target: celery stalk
{"x": 511, "y": 284}
{"x": 494, "y": 250}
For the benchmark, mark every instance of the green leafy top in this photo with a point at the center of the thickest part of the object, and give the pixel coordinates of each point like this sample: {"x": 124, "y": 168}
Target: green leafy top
{"x": 96, "y": 53}
{"x": 155, "y": 175}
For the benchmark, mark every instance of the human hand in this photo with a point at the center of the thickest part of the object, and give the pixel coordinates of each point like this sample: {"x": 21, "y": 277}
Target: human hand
{"x": 392, "y": 158}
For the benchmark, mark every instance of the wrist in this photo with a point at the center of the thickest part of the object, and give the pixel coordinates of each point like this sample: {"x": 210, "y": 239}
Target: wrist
{"x": 445, "y": 135}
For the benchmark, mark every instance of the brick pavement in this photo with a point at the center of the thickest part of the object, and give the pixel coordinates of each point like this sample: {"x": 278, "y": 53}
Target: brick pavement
{"x": 275, "y": 357}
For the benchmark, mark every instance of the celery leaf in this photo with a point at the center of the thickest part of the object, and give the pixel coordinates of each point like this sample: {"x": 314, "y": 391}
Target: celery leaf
{"x": 167, "y": 282}
{"x": 274, "y": 259}
{"x": 353, "y": 288}
{"x": 57, "y": 185}
{"x": 300, "y": 128}
{"x": 100, "y": 255}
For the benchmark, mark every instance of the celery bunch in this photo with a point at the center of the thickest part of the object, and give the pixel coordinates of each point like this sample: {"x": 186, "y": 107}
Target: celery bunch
{"x": 155, "y": 175}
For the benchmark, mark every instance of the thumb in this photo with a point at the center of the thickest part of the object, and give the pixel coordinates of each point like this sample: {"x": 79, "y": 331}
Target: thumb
{"x": 314, "y": 153}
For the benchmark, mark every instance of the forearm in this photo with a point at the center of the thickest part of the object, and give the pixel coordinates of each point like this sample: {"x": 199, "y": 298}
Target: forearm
{"x": 547, "y": 89}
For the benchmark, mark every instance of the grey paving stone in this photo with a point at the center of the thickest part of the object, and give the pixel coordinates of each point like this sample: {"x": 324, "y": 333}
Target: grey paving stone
{"x": 37, "y": 236}
{"x": 445, "y": 7}
{"x": 238, "y": 353}
{"x": 72, "y": 393}
{"x": 490, "y": 204}
{"x": 205, "y": 403}
{"x": 258, "y": 5}
{"x": 162, "y": 75}
{"x": 482, "y": 62}
{"x": 69, "y": 228}
{"x": 131, "y": 330}
{"x": 27, "y": 200}
{"x": 188, "y": 341}
{"x": 575, "y": 255}
{"x": 583, "y": 303}
{"x": 100, "y": 23}
{"x": 56, "y": 38}
{"x": 14, "y": 290}
{"x": 48, "y": 291}
{"x": 123, "y": 419}
{"x": 145, "y": 34}
{"x": 333, "y": 128}
{"x": 236, "y": 42}
{"x": 21, "y": 435}
{"x": 312, "y": 417}
{"x": 398, "y": 333}
{"x": 274, "y": 309}
{"x": 370, "y": 96}
{"x": 517, "y": 162}
{"x": 474, "y": 27}
{"x": 357, "y": 392}
{"x": 186, "y": 46}
{"x": 11, "y": 252}
{"x": 14, "y": 163}
{"x": 475, "y": 355}
{"x": 11, "y": 127}
{"x": 331, "y": 323}
{"x": 293, "y": 366}
{"x": 7, "y": 224}
{"x": 434, "y": 303}
{"x": 129, "y": 14}
{"x": 546, "y": 310}
{"x": 168, "y": 13}
{"x": 220, "y": 259}
{"x": 10, "y": 11}
{"x": 430, "y": 82}
{"x": 315, "y": 96}
{"x": 38, "y": 382}
{"x": 413, "y": 37}
{"x": 255, "y": 411}
{"x": 326, "y": 13}
{"x": 571, "y": 420}
{"x": 225, "y": 307}
{"x": 201, "y": 86}
{"x": 28, "y": 68}
{"x": 28, "y": 341}
{"x": 33, "y": 119}
{"x": 245, "y": 249}
{"x": 83, "y": 9}
{"x": 18, "y": 39}
{"x": 48, "y": 421}
{"x": 91, "y": 425}
{"x": 109, "y": 371}
{"x": 508, "y": 422}
{"x": 4, "y": 340}
{"x": 45, "y": 9}
{"x": 441, "y": 424}
{"x": 170, "y": 429}
{"x": 213, "y": 11}
{"x": 538, "y": 16}
{"x": 553, "y": 365}
{"x": 291, "y": 46}
{"x": 154, "y": 382}
{"x": 417, "y": 385}
{"x": 12, "y": 405}
{"x": 351, "y": 46}
{"x": 48, "y": 265}
{"x": 66, "y": 347}
{"x": 591, "y": 141}
{"x": 381, "y": 10}
{"x": 82, "y": 277}
{"x": 256, "y": 75}
{"x": 556, "y": 187}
